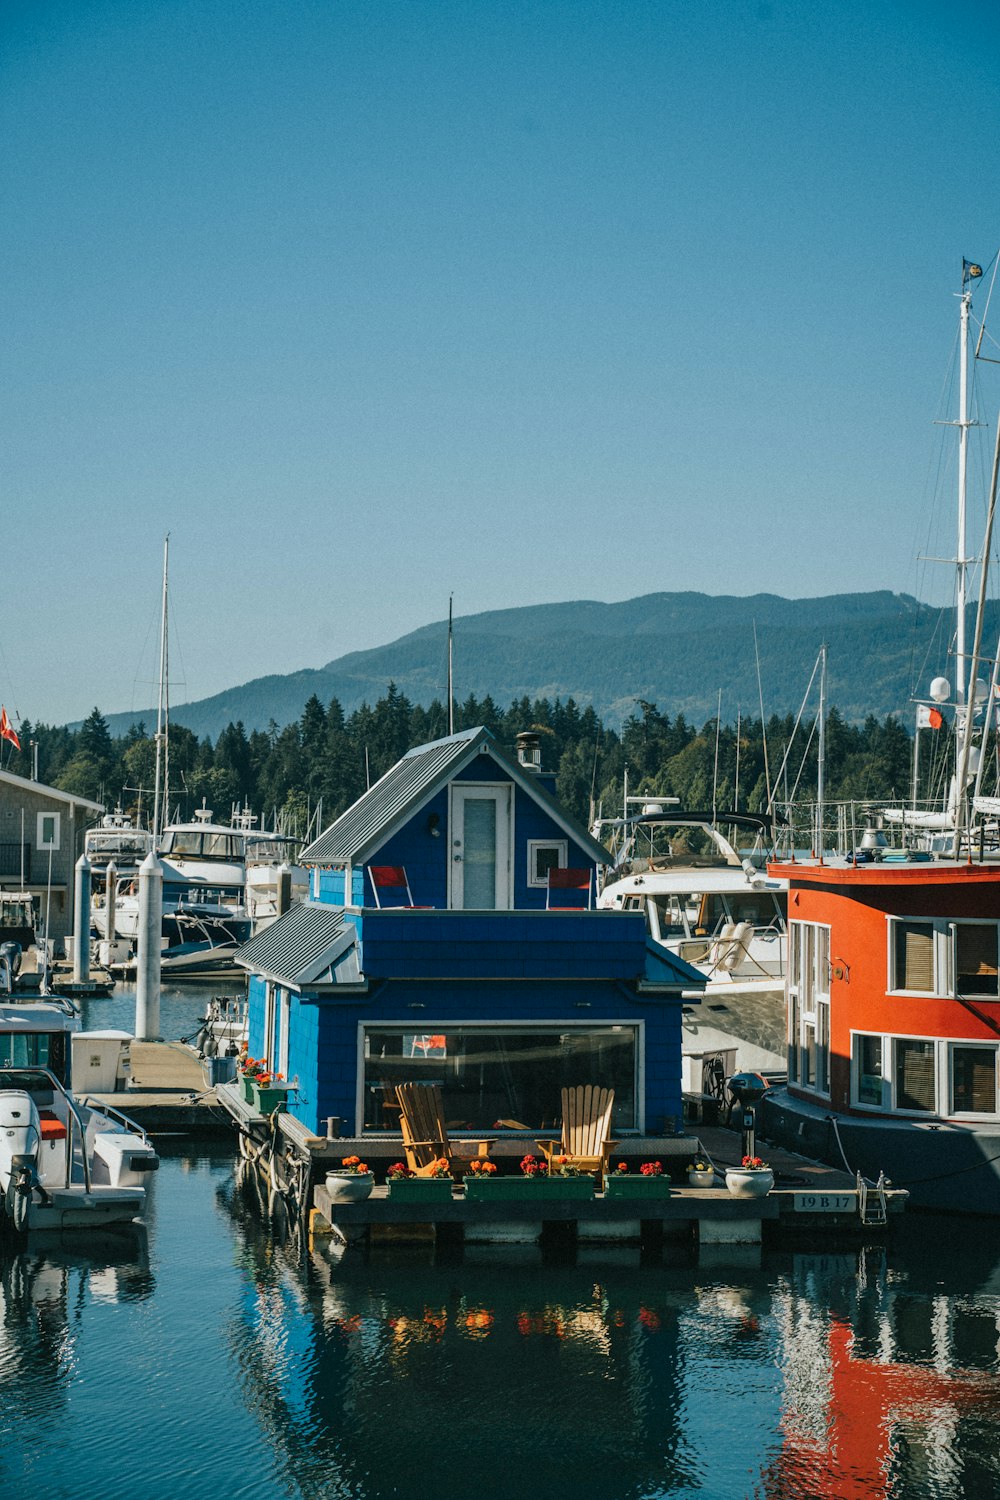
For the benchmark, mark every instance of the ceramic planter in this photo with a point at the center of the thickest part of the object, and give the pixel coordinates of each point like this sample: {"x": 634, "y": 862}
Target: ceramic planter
{"x": 746, "y": 1182}
{"x": 619, "y": 1185}
{"x": 529, "y": 1189}
{"x": 420, "y": 1189}
{"x": 700, "y": 1179}
{"x": 349, "y": 1187}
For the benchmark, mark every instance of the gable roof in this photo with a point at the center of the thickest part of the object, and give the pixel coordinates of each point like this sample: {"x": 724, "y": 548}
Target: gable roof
{"x": 25, "y": 784}
{"x": 308, "y": 944}
{"x": 360, "y": 831}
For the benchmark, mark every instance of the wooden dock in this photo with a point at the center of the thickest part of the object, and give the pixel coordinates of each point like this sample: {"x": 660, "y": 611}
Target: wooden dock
{"x": 168, "y": 1093}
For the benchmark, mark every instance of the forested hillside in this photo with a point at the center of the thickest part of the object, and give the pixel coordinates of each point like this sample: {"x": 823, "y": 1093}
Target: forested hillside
{"x": 676, "y": 650}
{"x": 326, "y": 757}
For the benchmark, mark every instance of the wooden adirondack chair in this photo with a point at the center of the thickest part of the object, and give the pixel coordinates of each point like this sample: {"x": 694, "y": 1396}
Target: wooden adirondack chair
{"x": 586, "y": 1129}
{"x": 425, "y": 1134}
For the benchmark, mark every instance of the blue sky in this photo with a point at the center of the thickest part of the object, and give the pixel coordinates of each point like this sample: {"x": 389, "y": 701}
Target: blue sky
{"x": 368, "y": 303}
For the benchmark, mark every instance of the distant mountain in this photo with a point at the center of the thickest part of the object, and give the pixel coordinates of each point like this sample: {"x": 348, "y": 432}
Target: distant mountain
{"x": 675, "y": 650}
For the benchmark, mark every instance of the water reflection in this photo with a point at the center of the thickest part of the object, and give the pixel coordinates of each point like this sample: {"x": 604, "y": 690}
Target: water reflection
{"x": 239, "y": 1357}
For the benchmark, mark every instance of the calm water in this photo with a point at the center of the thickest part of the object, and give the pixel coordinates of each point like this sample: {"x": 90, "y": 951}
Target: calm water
{"x": 221, "y": 1354}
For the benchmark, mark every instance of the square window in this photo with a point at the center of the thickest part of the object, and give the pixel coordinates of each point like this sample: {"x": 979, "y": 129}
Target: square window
{"x": 545, "y": 855}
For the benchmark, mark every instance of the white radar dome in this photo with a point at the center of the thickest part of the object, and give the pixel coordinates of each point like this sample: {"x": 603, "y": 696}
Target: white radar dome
{"x": 982, "y": 690}
{"x": 973, "y": 758}
{"x": 940, "y": 690}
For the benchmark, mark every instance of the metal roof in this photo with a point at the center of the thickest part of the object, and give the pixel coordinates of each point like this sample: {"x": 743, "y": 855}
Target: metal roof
{"x": 365, "y": 827}
{"x": 300, "y": 945}
{"x": 24, "y": 784}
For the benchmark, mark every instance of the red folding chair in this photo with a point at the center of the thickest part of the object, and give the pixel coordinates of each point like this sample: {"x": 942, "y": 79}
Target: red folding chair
{"x": 562, "y": 881}
{"x": 390, "y": 878}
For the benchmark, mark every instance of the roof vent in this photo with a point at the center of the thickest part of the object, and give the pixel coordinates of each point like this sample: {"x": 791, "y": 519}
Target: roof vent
{"x": 529, "y": 754}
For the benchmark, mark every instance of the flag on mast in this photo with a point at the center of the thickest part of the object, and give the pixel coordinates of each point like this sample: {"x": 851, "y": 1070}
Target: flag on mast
{"x": 970, "y": 271}
{"x": 7, "y": 731}
{"x": 929, "y": 718}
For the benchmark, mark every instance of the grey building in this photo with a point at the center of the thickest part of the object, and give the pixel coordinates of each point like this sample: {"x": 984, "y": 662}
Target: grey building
{"x": 41, "y": 839}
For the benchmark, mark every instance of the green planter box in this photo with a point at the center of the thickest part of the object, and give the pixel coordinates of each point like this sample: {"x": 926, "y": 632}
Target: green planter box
{"x": 421, "y": 1190}
{"x": 266, "y": 1101}
{"x": 529, "y": 1189}
{"x": 636, "y": 1187}
{"x": 246, "y": 1087}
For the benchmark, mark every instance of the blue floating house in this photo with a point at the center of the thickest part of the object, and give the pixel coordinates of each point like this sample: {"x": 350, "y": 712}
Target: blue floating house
{"x": 451, "y": 937}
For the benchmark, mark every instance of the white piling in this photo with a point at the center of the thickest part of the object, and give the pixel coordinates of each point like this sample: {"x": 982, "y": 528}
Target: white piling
{"x": 284, "y": 891}
{"x": 147, "y": 974}
{"x": 110, "y": 908}
{"x": 81, "y": 922}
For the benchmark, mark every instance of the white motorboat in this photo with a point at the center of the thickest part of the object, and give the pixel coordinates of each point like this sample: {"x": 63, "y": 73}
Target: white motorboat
{"x": 716, "y": 910}
{"x": 64, "y": 1163}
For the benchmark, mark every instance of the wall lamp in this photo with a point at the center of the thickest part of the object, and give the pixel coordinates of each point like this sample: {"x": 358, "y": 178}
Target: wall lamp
{"x": 434, "y": 825}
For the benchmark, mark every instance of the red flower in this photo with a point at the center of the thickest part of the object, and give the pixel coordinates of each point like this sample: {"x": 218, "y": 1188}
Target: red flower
{"x": 652, "y": 1169}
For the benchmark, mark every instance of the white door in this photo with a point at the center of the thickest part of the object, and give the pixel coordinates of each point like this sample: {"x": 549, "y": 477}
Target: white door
{"x": 480, "y": 847}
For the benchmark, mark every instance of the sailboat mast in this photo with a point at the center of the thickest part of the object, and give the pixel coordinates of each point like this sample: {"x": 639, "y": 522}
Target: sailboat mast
{"x": 961, "y": 561}
{"x": 160, "y": 794}
{"x": 821, "y": 748}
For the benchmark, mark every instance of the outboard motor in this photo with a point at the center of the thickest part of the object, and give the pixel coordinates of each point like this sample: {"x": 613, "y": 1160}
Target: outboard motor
{"x": 20, "y": 1135}
{"x": 10, "y": 959}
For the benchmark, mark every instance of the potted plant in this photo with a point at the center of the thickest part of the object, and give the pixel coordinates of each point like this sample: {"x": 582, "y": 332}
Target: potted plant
{"x": 753, "y": 1178}
{"x": 406, "y": 1187}
{"x": 351, "y": 1182}
{"x": 248, "y": 1068}
{"x": 649, "y": 1182}
{"x": 701, "y": 1173}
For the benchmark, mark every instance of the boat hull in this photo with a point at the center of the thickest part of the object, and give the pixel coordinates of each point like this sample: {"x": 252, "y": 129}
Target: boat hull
{"x": 76, "y": 1208}
{"x": 947, "y": 1167}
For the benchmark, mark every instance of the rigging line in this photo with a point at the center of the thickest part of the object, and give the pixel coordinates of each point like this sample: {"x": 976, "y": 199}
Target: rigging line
{"x": 995, "y": 263}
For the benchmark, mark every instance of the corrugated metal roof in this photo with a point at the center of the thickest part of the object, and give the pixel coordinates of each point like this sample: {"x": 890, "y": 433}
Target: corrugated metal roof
{"x": 300, "y": 944}
{"x": 360, "y": 830}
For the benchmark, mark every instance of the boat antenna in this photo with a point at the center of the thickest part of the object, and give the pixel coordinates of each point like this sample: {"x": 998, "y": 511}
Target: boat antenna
{"x": 963, "y": 767}
{"x": 160, "y": 793}
{"x": 715, "y": 770}
{"x": 821, "y": 752}
{"x": 451, "y": 696}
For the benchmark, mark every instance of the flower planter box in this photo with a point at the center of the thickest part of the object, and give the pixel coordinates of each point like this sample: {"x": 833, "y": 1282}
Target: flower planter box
{"x": 246, "y": 1087}
{"x": 529, "y": 1189}
{"x": 421, "y": 1189}
{"x": 267, "y": 1100}
{"x": 621, "y": 1186}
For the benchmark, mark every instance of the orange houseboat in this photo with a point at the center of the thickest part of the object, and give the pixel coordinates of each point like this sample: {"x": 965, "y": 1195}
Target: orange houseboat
{"x": 893, "y": 1013}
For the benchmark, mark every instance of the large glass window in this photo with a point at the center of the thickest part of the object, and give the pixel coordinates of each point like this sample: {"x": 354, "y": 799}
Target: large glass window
{"x": 809, "y": 1006}
{"x": 973, "y": 1079}
{"x": 494, "y": 1078}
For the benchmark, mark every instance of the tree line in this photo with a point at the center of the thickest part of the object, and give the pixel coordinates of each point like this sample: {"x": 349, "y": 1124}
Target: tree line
{"x": 312, "y": 769}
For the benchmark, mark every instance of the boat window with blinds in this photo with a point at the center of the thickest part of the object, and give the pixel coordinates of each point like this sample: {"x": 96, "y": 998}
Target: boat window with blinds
{"x": 973, "y": 1079}
{"x": 913, "y": 957}
{"x": 976, "y": 958}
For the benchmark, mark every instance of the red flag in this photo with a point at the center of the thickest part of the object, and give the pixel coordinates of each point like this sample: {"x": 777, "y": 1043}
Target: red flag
{"x": 7, "y": 731}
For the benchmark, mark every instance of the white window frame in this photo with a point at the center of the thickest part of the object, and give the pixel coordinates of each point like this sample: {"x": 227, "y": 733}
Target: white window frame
{"x": 809, "y": 1002}
{"x": 944, "y": 937}
{"x": 41, "y": 842}
{"x": 944, "y": 1049}
{"x": 561, "y": 846}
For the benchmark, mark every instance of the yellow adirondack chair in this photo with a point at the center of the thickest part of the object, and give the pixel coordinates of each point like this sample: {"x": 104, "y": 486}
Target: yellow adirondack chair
{"x": 425, "y": 1134}
{"x": 586, "y": 1130}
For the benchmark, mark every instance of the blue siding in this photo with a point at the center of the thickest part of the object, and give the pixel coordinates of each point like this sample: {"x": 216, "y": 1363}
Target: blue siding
{"x": 323, "y": 1036}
